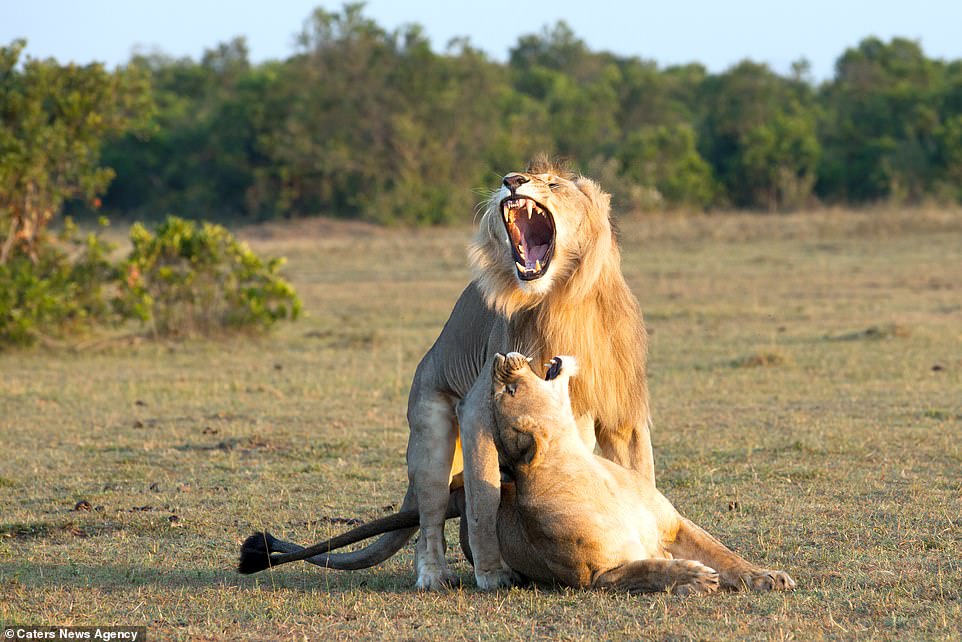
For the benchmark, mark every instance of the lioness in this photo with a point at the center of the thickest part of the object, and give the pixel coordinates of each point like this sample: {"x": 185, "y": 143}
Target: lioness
{"x": 566, "y": 515}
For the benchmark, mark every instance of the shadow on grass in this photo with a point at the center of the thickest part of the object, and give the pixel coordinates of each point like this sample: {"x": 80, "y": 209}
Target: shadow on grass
{"x": 111, "y": 577}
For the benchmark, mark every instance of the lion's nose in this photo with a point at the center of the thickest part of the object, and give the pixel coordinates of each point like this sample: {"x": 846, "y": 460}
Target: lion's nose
{"x": 514, "y": 181}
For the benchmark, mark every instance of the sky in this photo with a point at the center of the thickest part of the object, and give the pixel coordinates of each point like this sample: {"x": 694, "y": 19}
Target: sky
{"x": 716, "y": 33}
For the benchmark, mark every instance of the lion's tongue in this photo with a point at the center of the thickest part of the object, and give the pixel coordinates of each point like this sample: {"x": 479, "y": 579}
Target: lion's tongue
{"x": 535, "y": 239}
{"x": 534, "y": 254}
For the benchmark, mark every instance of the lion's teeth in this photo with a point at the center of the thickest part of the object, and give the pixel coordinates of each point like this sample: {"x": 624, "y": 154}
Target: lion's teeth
{"x": 530, "y": 206}
{"x": 537, "y": 265}
{"x": 521, "y": 268}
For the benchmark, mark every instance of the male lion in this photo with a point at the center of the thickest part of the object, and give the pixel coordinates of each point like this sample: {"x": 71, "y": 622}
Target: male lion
{"x": 568, "y": 516}
{"x": 547, "y": 280}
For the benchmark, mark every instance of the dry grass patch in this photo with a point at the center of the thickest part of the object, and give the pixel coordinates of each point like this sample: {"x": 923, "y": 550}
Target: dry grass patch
{"x": 835, "y": 460}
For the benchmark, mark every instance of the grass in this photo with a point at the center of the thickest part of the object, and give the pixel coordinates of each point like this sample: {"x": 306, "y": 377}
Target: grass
{"x": 805, "y": 373}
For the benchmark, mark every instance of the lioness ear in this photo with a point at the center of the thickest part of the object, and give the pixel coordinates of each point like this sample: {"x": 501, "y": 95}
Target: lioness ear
{"x": 499, "y": 370}
{"x": 502, "y": 379}
{"x": 594, "y": 192}
{"x": 508, "y": 367}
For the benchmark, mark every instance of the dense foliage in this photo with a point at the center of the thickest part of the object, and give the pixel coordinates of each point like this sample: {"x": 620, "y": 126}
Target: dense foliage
{"x": 182, "y": 278}
{"x": 187, "y": 278}
{"x": 53, "y": 121}
{"x": 69, "y": 284}
{"x": 365, "y": 122}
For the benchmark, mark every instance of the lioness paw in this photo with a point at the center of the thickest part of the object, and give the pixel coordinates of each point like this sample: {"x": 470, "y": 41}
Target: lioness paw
{"x": 694, "y": 578}
{"x": 491, "y": 580}
{"x": 764, "y": 580}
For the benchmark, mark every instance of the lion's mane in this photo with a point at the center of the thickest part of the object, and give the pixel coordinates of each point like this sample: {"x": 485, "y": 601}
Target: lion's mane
{"x": 582, "y": 306}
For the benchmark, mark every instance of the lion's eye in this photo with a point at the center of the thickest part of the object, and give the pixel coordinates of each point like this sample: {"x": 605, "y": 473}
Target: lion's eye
{"x": 554, "y": 185}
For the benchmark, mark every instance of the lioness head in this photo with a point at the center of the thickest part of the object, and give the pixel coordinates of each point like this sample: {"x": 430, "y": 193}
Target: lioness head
{"x": 527, "y": 408}
{"x": 543, "y": 229}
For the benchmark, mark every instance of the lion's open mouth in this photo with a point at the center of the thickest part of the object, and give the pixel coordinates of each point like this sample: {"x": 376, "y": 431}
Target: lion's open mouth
{"x": 531, "y": 233}
{"x": 554, "y": 369}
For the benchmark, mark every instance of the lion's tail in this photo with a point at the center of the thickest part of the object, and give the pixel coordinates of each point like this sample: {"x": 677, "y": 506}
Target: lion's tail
{"x": 256, "y": 551}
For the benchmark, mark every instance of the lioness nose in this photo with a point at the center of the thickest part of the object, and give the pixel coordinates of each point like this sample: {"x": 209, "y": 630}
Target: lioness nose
{"x": 514, "y": 181}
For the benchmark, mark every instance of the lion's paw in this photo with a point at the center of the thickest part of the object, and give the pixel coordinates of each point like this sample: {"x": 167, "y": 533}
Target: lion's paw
{"x": 491, "y": 580}
{"x": 693, "y": 578}
{"x": 436, "y": 580}
{"x": 763, "y": 580}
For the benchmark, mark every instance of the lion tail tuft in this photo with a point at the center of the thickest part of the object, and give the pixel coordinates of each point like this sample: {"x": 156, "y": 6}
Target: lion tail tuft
{"x": 255, "y": 553}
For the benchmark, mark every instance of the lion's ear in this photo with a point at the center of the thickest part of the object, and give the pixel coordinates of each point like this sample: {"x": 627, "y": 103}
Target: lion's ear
{"x": 594, "y": 192}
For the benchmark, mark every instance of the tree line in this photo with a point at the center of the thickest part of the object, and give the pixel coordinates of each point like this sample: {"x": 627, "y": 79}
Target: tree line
{"x": 364, "y": 122}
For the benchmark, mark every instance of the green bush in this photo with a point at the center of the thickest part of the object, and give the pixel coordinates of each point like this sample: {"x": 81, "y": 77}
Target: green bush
{"x": 59, "y": 290}
{"x": 197, "y": 278}
{"x": 183, "y": 278}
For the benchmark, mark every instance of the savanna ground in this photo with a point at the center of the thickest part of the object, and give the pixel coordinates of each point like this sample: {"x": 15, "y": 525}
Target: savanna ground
{"x": 806, "y": 375}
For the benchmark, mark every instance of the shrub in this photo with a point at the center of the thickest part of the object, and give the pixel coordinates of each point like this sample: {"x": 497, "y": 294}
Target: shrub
{"x": 59, "y": 291}
{"x": 183, "y": 278}
{"x": 191, "y": 278}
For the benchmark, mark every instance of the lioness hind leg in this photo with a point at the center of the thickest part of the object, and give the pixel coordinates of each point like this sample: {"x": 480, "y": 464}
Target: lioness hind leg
{"x": 681, "y": 577}
{"x": 735, "y": 572}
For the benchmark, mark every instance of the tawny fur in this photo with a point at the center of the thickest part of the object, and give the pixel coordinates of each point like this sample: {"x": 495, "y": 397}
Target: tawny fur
{"x": 582, "y": 306}
{"x": 568, "y": 516}
{"x": 585, "y": 309}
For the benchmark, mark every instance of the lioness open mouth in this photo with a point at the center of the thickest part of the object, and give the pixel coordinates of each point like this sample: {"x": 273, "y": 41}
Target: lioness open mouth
{"x": 531, "y": 234}
{"x": 554, "y": 369}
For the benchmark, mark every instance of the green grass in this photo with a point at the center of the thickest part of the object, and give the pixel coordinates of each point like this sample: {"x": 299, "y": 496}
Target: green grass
{"x": 806, "y": 376}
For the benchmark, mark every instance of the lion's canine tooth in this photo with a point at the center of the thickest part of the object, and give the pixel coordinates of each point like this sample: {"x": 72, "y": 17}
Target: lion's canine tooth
{"x": 537, "y": 265}
{"x": 530, "y": 206}
{"x": 521, "y": 268}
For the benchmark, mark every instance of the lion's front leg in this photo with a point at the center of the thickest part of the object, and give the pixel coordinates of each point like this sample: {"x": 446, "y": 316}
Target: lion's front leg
{"x": 629, "y": 445}
{"x": 430, "y": 454}
{"x": 482, "y": 484}
{"x": 735, "y": 572}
